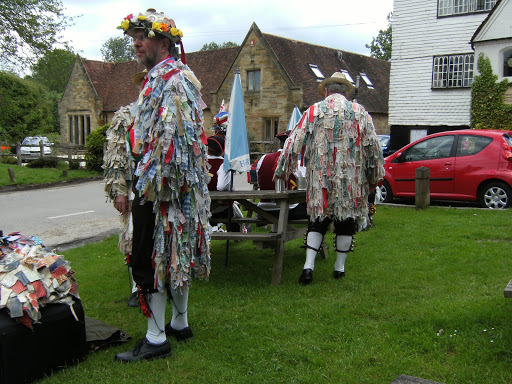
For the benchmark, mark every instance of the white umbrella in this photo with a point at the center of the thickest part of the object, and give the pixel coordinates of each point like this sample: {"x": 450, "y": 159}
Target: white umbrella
{"x": 294, "y": 119}
{"x": 236, "y": 151}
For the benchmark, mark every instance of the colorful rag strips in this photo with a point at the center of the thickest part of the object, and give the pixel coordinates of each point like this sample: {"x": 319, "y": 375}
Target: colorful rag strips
{"x": 119, "y": 166}
{"x": 342, "y": 156}
{"x": 168, "y": 132}
{"x": 31, "y": 277}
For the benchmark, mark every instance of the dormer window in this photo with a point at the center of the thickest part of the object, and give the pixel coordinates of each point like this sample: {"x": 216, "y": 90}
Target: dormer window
{"x": 317, "y": 72}
{"x": 367, "y": 80}
{"x": 347, "y": 75}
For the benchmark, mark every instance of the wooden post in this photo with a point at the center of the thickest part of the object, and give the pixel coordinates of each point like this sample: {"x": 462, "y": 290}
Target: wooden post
{"x": 18, "y": 153}
{"x": 422, "y": 197}
{"x": 41, "y": 148}
{"x": 65, "y": 173}
{"x": 12, "y": 175}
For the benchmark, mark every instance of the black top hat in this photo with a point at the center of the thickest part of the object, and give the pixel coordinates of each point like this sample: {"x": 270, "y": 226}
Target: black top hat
{"x": 216, "y": 142}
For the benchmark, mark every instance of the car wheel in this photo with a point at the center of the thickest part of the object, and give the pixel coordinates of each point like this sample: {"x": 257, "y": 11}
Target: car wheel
{"x": 386, "y": 195}
{"x": 495, "y": 195}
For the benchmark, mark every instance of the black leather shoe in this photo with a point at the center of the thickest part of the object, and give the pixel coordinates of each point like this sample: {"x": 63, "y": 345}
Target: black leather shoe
{"x": 338, "y": 274}
{"x": 306, "y": 277}
{"x": 183, "y": 335}
{"x": 145, "y": 351}
{"x": 133, "y": 300}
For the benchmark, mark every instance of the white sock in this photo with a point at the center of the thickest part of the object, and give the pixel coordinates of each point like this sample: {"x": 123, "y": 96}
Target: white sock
{"x": 314, "y": 240}
{"x": 134, "y": 284}
{"x": 343, "y": 243}
{"x": 156, "y": 323}
{"x": 179, "y": 319}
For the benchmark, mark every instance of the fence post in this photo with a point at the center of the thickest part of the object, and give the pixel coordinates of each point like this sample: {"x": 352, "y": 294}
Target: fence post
{"x": 12, "y": 176}
{"x": 18, "y": 153}
{"x": 422, "y": 196}
{"x": 41, "y": 148}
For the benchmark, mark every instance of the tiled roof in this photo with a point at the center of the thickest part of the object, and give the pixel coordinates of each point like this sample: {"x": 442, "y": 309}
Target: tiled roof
{"x": 295, "y": 57}
{"x": 210, "y": 67}
{"x": 113, "y": 82}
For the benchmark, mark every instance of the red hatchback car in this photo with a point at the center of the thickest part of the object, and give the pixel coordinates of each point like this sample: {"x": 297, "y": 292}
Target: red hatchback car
{"x": 465, "y": 165}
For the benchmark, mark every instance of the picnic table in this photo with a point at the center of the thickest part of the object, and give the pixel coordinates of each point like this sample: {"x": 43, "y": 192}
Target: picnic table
{"x": 286, "y": 230}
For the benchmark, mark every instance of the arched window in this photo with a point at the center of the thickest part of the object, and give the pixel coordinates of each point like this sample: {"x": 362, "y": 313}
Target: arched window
{"x": 507, "y": 63}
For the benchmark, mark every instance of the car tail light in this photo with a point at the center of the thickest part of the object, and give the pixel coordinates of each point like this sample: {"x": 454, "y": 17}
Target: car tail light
{"x": 507, "y": 150}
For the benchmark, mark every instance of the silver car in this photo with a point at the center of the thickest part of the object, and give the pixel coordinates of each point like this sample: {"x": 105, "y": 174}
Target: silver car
{"x": 31, "y": 147}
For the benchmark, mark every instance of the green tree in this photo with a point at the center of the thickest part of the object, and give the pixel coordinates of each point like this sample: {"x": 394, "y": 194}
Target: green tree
{"x": 213, "y": 45}
{"x": 26, "y": 108}
{"x": 380, "y": 47}
{"x": 118, "y": 50}
{"x": 488, "y": 111}
{"x": 29, "y": 29}
{"x": 94, "y": 144}
{"x": 53, "y": 69}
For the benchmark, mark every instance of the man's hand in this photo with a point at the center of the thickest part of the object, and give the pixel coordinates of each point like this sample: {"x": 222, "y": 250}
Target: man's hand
{"x": 121, "y": 204}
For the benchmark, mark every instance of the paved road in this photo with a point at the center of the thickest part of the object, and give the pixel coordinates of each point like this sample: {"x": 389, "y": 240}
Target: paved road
{"x": 64, "y": 217}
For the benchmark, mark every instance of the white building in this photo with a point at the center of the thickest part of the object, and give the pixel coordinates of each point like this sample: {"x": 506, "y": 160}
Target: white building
{"x": 432, "y": 65}
{"x": 493, "y": 38}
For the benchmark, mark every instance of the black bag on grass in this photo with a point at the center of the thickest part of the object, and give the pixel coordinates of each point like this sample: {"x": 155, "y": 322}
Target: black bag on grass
{"x": 59, "y": 340}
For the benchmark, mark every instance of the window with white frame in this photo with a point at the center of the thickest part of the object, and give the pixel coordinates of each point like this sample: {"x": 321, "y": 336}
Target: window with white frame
{"x": 347, "y": 75}
{"x": 317, "y": 72}
{"x": 453, "y": 71}
{"x": 367, "y": 80}
{"x": 459, "y": 7}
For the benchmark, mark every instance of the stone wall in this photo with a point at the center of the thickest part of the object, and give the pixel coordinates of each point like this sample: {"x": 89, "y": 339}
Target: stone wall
{"x": 79, "y": 99}
{"x": 276, "y": 98}
{"x": 380, "y": 121}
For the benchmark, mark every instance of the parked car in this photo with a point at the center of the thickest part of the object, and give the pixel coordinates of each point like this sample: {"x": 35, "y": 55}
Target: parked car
{"x": 465, "y": 165}
{"x": 30, "y": 146}
{"x": 384, "y": 144}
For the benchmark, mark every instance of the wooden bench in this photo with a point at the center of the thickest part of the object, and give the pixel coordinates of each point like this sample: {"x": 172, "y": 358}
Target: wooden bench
{"x": 508, "y": 289}
{"x": 252, "y": 236}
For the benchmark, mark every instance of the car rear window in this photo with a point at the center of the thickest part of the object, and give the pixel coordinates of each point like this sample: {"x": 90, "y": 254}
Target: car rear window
{"x": 470, "y": 144}
{"x": 35, "y": 140}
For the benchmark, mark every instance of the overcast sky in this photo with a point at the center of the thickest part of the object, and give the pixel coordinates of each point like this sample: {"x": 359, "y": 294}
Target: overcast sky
{"x": 343, "y": 24}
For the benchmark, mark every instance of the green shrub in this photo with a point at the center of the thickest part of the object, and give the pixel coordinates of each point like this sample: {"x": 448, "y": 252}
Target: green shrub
{"x": 94, "y": 154}
{"x": 43, "y": 163}
{"x": 9, "y": 160}
{"x": 74, "y": 164}
{"x": 488, "y": 110}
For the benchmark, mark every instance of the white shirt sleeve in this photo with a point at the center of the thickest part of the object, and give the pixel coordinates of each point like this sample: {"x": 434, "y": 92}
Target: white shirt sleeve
{"x": 223, "y": 179}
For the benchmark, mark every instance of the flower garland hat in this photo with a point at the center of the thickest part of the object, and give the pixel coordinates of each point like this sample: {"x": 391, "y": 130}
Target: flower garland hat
{"x": 152, "y": 22}
{"x": 337, "y": 77}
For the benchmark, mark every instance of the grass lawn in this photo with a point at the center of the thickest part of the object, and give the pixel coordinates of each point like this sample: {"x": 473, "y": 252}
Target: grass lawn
{"x": 422, "y": 296}
{"x": 25, "y": 175}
